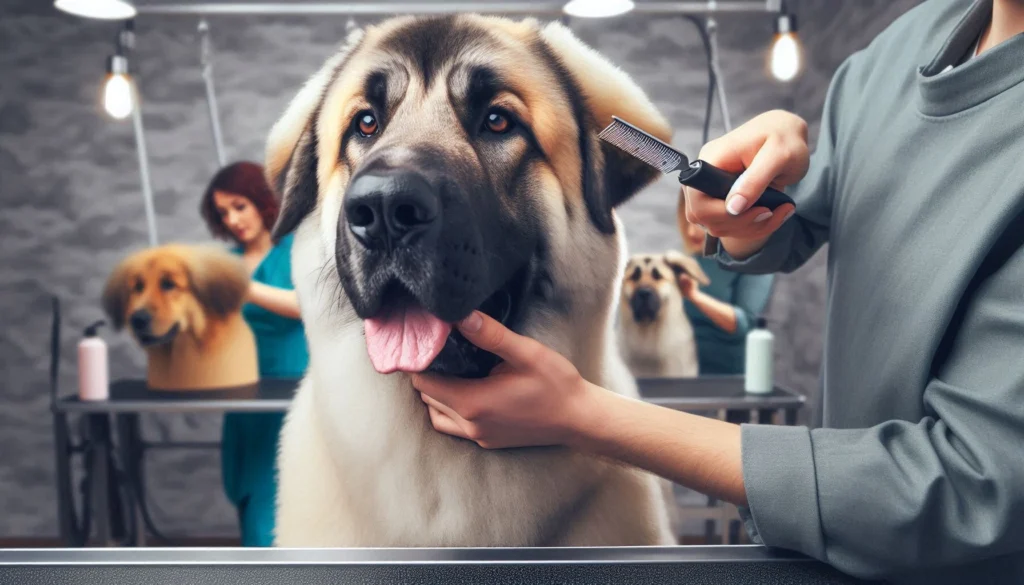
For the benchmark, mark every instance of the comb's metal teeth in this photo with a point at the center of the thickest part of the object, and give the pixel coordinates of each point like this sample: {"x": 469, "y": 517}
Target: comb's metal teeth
{"x": 641, "y": 145}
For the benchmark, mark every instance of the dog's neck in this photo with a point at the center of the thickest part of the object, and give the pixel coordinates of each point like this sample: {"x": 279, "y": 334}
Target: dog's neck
{"x": 224, "y": 357}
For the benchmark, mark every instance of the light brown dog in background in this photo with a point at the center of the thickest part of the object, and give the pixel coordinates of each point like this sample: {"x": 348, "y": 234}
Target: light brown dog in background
{"x": 656, "y": 337}
{"x": 182, "y": 304}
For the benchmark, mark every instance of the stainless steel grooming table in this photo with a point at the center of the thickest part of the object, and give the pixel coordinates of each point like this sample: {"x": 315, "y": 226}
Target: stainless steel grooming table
{"x": 111, "y": 443}
{"x": 690, "y": 565}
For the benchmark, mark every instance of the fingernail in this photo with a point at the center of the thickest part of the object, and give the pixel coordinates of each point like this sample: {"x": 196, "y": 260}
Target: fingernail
{"x": 736, "y": 204}
{"x": 763, "y": 217}
{"x": 472, "y": 323}
{"x": 789, "y": 215}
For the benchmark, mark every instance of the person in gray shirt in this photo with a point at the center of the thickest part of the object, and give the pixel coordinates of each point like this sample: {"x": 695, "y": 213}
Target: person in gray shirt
{"x": 917, "y": 185}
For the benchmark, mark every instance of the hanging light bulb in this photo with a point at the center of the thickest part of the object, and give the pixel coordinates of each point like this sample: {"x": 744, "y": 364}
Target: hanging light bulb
{"x": 786, "y": 59}
{"x": 105, "y": 9}
{"x": 597, "y": 8}
{"x": 117, "y": 91}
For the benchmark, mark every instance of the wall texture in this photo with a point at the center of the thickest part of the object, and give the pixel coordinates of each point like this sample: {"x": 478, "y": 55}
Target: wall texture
{"x": 71, "y": 205}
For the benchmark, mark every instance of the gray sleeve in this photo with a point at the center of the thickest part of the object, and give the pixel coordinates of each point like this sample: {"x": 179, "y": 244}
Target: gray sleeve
{"x": 800, "y": 237}
{"x": 909, "y": 495}
{"x": 751, "y": 294}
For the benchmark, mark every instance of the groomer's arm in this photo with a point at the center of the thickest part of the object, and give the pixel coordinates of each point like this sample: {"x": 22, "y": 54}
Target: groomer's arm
{"x": 902, "y": 495}
{"x": 281, "y": 301}
{"x": 537, "y": 397}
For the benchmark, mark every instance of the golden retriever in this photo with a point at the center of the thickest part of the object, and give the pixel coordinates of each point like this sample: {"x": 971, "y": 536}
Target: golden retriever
{"x": 182, "y": 304}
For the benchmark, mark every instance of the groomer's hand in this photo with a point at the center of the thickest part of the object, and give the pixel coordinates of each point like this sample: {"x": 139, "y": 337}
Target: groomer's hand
{"x": 533, "y": 398}
{"x": 688, "y": 286}
{"x": 769, "y": 150}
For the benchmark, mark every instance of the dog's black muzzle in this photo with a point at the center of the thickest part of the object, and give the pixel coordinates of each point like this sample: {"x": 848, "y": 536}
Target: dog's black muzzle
{"x": 437, "y": 238}
{"x": 141, "y": 322}
{"x": 645, "y": 304}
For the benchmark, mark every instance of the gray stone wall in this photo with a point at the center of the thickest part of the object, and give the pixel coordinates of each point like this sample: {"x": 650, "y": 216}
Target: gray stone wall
{"x": 71, "y": 204}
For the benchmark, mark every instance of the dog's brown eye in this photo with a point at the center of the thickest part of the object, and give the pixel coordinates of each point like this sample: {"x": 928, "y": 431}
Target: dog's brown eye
{"x": 367, "y": 124}
{"x": 139, "y": 285}
{"x": 636, "y": 274}
{"x": 655, "y": 274}
{"x": 166, "y": 284}
{"x": 497, "y": 122}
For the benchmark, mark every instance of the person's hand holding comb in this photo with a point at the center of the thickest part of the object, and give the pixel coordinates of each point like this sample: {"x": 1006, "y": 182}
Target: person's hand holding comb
{"x": 768, "y": 151}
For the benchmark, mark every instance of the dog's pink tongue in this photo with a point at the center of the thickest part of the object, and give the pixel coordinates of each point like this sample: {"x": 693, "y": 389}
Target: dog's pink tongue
{"x": 405, "y": 340}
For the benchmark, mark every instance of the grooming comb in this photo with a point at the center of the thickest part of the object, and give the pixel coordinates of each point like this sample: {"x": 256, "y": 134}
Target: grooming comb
{"x": 698, "y": 174}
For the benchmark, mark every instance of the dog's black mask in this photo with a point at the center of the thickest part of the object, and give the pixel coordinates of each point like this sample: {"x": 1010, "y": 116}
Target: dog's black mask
{"x": 434, "y": 234}
{"x": 645, "y": 304}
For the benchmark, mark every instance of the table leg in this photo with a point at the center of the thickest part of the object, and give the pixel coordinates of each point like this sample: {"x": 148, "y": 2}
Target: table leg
{"x": 734, "y": 531}
{"x": 765, "y": 416}
{"x": 99, "y": 436}
{"x": 131, "y": 451}
{"x": 790, "y": 414}
{"x": 737, "y": 416}
{"x": 65, "y": 493}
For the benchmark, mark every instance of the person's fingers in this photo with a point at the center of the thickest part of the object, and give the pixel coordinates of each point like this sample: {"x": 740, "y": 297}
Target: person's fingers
{"x": 437, "y": 404}
{"x": 712, "y": 214}
{"x": 489, "y": 334}
{"x": 734, "y": 151}
{"x": 780, "y": 215}
{"x": 445, "y": 390}
{"x": 445, "y": 424}
{"x": 767, "y": 166}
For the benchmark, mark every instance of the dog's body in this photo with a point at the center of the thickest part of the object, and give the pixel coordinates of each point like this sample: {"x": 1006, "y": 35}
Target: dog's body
{"x": 414, "y": 199}
{"x": 184, "y": 307}
{"x": 655, "y": 334}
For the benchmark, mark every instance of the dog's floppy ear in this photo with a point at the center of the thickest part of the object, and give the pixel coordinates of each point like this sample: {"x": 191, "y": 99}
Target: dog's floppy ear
{"x": 218, "y": 279}
{"x": 291, "y": 151}
{"x": 611, "y": 176}
{"x": 115, "y": 293}
{"x": 684, "y": 264}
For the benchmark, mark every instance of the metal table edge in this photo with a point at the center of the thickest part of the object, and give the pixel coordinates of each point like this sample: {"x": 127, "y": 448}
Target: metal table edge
{"x": 396, "y": 556}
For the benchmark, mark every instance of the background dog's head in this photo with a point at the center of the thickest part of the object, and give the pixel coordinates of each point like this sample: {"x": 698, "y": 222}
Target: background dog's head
{"x": 652, "y": 282}
{"x": 170, "y": 290}
{"x": 453, "y": 164}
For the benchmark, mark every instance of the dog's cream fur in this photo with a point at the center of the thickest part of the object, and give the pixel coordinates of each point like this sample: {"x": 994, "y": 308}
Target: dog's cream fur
{"x": 360, "y": 464}
{"x": 665, "y": 347}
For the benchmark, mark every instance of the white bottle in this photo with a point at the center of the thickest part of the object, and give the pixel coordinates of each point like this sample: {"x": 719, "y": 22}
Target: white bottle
{"x": 760, "y": 359}
{"x": 93, "y": 375}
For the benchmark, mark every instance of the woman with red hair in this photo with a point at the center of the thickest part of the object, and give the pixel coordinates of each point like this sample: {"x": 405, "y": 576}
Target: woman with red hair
{"x": 240, "y": 207}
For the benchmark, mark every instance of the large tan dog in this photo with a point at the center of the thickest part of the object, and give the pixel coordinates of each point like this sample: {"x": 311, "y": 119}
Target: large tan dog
{"x": 183, "y": 305}
{"x": 655, "y": 334}
{"x": 432, "y": 167}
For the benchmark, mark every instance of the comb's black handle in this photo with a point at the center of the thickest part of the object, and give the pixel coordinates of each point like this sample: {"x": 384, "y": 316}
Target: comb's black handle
{"x": 716, "y": 183}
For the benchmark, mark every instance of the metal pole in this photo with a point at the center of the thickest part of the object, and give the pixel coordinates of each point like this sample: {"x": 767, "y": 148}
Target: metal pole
{"x": 140, "y": 148}
{"x": 380, "y": 8}
{"x": 712, "y": 27}
{"x": 211, "y": 97}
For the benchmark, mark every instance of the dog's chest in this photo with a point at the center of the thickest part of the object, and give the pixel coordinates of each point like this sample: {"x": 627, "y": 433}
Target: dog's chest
{"x": 409, "y": 485}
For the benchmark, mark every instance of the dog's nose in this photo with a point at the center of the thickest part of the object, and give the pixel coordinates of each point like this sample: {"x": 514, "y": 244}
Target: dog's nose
{"x": 645, "y": 304}
{"x": 140, "y": 320}
{"x": 391, "y": 209}
{"x": 644, "y": 296}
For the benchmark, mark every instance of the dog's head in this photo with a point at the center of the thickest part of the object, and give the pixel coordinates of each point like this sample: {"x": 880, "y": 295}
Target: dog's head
{"x": 453, "y": 164}
{"x": 651, "y": 282}
{"x": 171, "y": 290}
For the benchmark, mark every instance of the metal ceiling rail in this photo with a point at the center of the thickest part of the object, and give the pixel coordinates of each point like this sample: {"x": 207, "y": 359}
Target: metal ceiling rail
{"x": 373, "y": 8}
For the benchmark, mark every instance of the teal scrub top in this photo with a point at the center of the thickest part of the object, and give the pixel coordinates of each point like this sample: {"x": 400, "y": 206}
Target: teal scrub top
{"x": 280, "y": 341}
{"x": 719, "y": 352}
{"x": 249, "y": 441}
